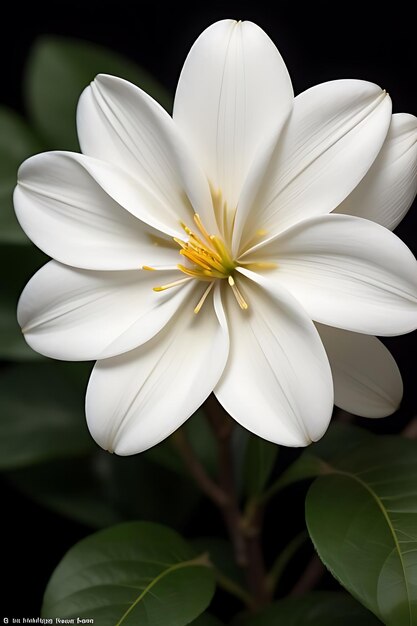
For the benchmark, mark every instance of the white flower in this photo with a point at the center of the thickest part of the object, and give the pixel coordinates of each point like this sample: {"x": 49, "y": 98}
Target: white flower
{"x": 243, "y": 183}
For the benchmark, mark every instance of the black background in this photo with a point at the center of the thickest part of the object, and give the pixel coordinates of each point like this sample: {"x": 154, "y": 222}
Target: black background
{"x": 319, "y": 41}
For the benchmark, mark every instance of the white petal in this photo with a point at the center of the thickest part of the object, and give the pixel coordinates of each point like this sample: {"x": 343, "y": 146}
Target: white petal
{"x": 136, "y": 400}
{"x": 73, "y": 314}
{"x": 366, "y": 378}
{"x": 346, "y": 272}
{"x": 389, "y": 188}
{"x": 67, "y": 214}
{"x": 277, "y": 381}
{"x": 334, "y": 134}
{"x": 119, "y": 123}
{"x": 233, "y": 92}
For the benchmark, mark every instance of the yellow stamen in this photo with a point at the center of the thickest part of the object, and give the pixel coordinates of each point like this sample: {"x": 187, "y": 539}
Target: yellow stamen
{"x": 209, "y": 260}
{"x": 207, "y": 253}
{"x": 174, "y": 284}
{"x": 261, "y": 265}
{"x": 203, "y": 298}
{"x": 148, "y": 268}
{"x": 201, "y": 228}
{"x": 196, "y": 273}
{"x": 240, "y": 299}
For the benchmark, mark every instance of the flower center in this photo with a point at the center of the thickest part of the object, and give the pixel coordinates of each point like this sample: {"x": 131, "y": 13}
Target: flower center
{"x": 209, "y": 260}
{"x": 208, "y": 254}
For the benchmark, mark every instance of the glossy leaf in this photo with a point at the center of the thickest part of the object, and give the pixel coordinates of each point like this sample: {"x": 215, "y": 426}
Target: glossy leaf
{"x": 42, "y": 415}
{"x": 17, "y": 142}
{"x": 362, "y": 518}
{"x": 134, "y": 573}
{"x": 58, "y": 71}
{"x": 259, "y": 462}
{"x": 314, "y": 609}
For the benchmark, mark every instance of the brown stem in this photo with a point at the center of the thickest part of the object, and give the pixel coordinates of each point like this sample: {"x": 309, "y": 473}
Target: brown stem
{"x": 245, "y": 538}
{"x": 256, "y": 574}
{"x": 197, "y": 471}
{"x": 410, "y": 431}
{"x": 310, "y": 578}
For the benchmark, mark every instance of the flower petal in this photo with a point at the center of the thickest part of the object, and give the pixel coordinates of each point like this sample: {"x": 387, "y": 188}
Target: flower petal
{"x": 366, "y": 378}
{"x": 334, "y": 134}
{"x": 233, "y": 92}
{"x": 277, "y": 381}
{"x": 67, "y": 214}
{"x": 136, "y": 400}
{"x": 120, "y": 124}
{"x": 346, "y": 272}
{"x": 389, "y": 188}
{"x": 78, "y": 315}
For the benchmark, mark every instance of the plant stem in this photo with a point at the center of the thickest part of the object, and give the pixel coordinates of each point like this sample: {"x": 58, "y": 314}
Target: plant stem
{"x": 197, "y": 470}
{"x": 282, "y": 560}
{"x": 245, "y": 538}
{"x": 310, "y": 578}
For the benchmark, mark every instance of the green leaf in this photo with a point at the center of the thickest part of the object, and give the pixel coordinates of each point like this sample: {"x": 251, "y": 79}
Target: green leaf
{"x": 314, "y": 609}
{"x": 17, "y": 142}
{"x": 259, "y": 462}
{"x": 97, "y": 490}
{"x": 134, "y": 573}
{"x": 17, "y": 264}
{"x": 42, "y": 415}
{"x": 58, "y": 71}
{"x": 339, "y": 439}
{"x": 362, "y": 518}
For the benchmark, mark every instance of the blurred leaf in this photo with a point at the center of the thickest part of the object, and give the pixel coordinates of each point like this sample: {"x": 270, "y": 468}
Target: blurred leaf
{"x": 17, "y": 264}
{"x": 12, "y": 344}
{"x": 17, "y": 142}
{"x": 103, "y": 489}
{"x": 240, "y": 439}
{"x": 58, "y": 71}
{"x": 314, "y": 609}
{"x": 362, "y": 518}
{"x": 259, "y": 462}
{"x": 221, "y": 555}
{"x": 339, "y": 439}
{"x": 42, "y": 415}
{"x": 282, "y": 560}
{"x": 229, "y": 576}
{"x": 206, "y": 620}
{"x": 202, "y": 441}
{"x": 72, "y": 488}
{"x": 134, "y": 573}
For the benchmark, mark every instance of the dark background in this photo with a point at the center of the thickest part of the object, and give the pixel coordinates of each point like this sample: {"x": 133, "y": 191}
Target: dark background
{"x": 319, "y": 41}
